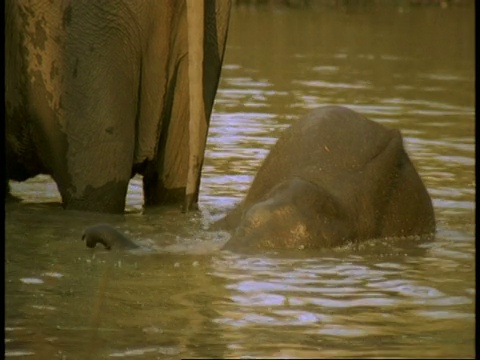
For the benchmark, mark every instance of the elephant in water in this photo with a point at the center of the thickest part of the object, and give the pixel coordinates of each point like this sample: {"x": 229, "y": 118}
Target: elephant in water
{"x": 97, "y": 91}
{"x": 333, "y": 177}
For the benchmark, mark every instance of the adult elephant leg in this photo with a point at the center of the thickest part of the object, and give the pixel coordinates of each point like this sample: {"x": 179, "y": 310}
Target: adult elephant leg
{"x": 34, "y": 140}
{"x": 175, "y": 176}
{"x": 208, "y": 27}
{"x": 99, "y": 105}
{"x": 197, "y": 121}
{"x": 165, "y": 178}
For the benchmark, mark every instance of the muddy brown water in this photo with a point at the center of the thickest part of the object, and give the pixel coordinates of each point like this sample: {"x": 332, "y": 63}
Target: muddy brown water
{"x": 180, "y": 297}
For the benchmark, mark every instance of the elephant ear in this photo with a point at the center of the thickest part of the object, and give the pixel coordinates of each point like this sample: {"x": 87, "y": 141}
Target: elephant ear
{"x": 375, "y": 182}
{"x": 408, "y": 207}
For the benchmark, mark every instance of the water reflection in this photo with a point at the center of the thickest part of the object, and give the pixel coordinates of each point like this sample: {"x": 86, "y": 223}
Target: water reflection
{"x": 349, "y": 297}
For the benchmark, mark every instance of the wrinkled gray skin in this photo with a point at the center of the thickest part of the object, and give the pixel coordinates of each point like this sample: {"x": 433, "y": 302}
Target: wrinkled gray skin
{"x": 107, "y": 236}
{"x": 97, "y": 91}
{"x": 332, "y": 177}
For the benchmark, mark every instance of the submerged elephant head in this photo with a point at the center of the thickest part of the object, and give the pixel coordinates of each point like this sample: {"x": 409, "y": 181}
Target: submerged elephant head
{"x": 296, "y": 214}
{"x": 333, "y": 177}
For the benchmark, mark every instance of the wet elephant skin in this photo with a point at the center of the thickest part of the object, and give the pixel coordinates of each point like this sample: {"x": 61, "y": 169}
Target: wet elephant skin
{"x": 97, "y": 91}
{"x": 333, "y": 177}
{"x": 108, "y": 236}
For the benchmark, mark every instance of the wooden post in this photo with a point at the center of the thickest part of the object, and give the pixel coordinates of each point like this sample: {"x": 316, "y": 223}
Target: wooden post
{"x": 197, "y": 123}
